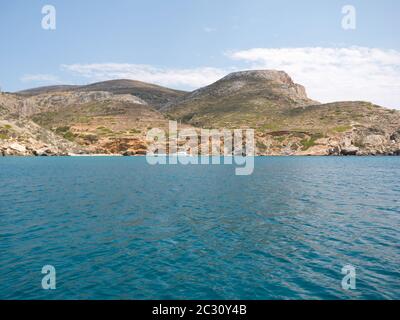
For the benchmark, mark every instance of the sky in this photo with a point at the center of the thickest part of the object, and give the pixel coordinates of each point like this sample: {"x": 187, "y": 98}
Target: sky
{"x": 187, "y": 44}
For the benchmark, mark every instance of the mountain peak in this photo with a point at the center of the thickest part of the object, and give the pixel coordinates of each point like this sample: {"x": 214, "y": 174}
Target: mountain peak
{"x": 262, "y": 84}
{"x": 277, "y": 80}
{"x": 271, "y": 75}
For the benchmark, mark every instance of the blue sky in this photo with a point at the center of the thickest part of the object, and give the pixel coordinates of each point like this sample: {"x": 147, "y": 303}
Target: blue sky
{"x": 189, "y": 43}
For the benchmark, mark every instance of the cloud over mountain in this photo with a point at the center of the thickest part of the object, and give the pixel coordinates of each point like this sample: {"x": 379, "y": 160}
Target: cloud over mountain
{"x": 40, "y": 77}
{"x": 172, "y": 77}
{"x": 329, "y": 74}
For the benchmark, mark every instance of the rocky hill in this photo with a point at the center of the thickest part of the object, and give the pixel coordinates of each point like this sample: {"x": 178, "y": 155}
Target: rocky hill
{"x": 114, "y": 116}
{"x": 286, "y": 121}
{"x": 242, "y": 98}
{"x": 155, "y": 95}
{"x": 93, "y": 122}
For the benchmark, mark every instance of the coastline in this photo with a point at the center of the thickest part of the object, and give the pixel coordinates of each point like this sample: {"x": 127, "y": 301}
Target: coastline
{"x": 256, "y": 156}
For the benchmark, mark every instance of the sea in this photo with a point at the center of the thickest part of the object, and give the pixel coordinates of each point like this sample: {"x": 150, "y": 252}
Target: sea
{"x": 319, "y": 228}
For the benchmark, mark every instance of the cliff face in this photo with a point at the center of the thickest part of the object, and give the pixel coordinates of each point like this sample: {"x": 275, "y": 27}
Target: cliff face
{"x": 113, "y": 117}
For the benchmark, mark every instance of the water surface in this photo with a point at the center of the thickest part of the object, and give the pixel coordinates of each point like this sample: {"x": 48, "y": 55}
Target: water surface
{"x": 117, "y": 228}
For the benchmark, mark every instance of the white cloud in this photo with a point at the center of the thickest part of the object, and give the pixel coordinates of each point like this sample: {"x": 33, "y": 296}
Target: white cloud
{"x": 329, "y": 74}
{"x": 333, "y": 74}
{"x": 40, "y": 77}
{"x": 178, "y": 78}
{"x": 209, "y": 29}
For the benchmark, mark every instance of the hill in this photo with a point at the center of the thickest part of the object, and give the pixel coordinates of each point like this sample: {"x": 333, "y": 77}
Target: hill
{"x": 247, "y": 98}
{"x": 19, "y": 135}
{"x": 114, "y": 116}
{"x": 155, "y": 95}
{"x": 286, "y": 121}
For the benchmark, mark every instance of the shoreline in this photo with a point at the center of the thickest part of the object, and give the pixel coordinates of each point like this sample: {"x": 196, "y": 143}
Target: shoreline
{"x": 141, "y": 155}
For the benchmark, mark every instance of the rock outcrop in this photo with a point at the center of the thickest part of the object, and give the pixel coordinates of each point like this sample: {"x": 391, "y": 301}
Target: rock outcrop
{"x": 25, "y": 138}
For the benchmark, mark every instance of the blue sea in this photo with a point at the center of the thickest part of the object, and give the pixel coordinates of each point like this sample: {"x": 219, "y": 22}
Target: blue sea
{"x": 118, "y": 228}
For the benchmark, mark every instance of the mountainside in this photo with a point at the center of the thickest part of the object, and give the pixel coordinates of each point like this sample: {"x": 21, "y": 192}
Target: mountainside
{"x": 109, "y": 125}
{"x": 153, "y": 94}
{"x": 114, "y": 116}
{"x": 97, "y": 122}
{"x": 340, "y": 128}
{"x": 286, "y": 121}
{"x": 249, "y": 98}
{"x": 19, "y": 135}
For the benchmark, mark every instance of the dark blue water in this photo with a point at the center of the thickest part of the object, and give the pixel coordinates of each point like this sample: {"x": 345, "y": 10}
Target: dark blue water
{"x": 119, "y": 228}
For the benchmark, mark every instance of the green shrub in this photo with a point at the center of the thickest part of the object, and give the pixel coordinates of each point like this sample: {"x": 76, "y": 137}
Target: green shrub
{"x": 280, "y": 139}
{"x": 261, "y": 145}
{"x": 62, "y": 130}
{"x": 69, "y": 136}
{"x": 89, "y": 137}
{"x": 104, "y": 130}
{"x": 5, "y": 132}
{"x": 308, "y": 143}
{"x": 342, "y": 128}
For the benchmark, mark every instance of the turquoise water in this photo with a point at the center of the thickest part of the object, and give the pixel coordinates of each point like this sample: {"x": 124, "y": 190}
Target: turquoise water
{"x": 119, "y": 228}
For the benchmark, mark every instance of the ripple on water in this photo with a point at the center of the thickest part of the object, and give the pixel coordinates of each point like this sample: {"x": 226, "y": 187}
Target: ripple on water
{"x": 118, "y": 228}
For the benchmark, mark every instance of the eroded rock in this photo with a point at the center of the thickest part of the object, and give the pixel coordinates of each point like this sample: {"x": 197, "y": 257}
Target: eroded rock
{"x": 349, "y": 151}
